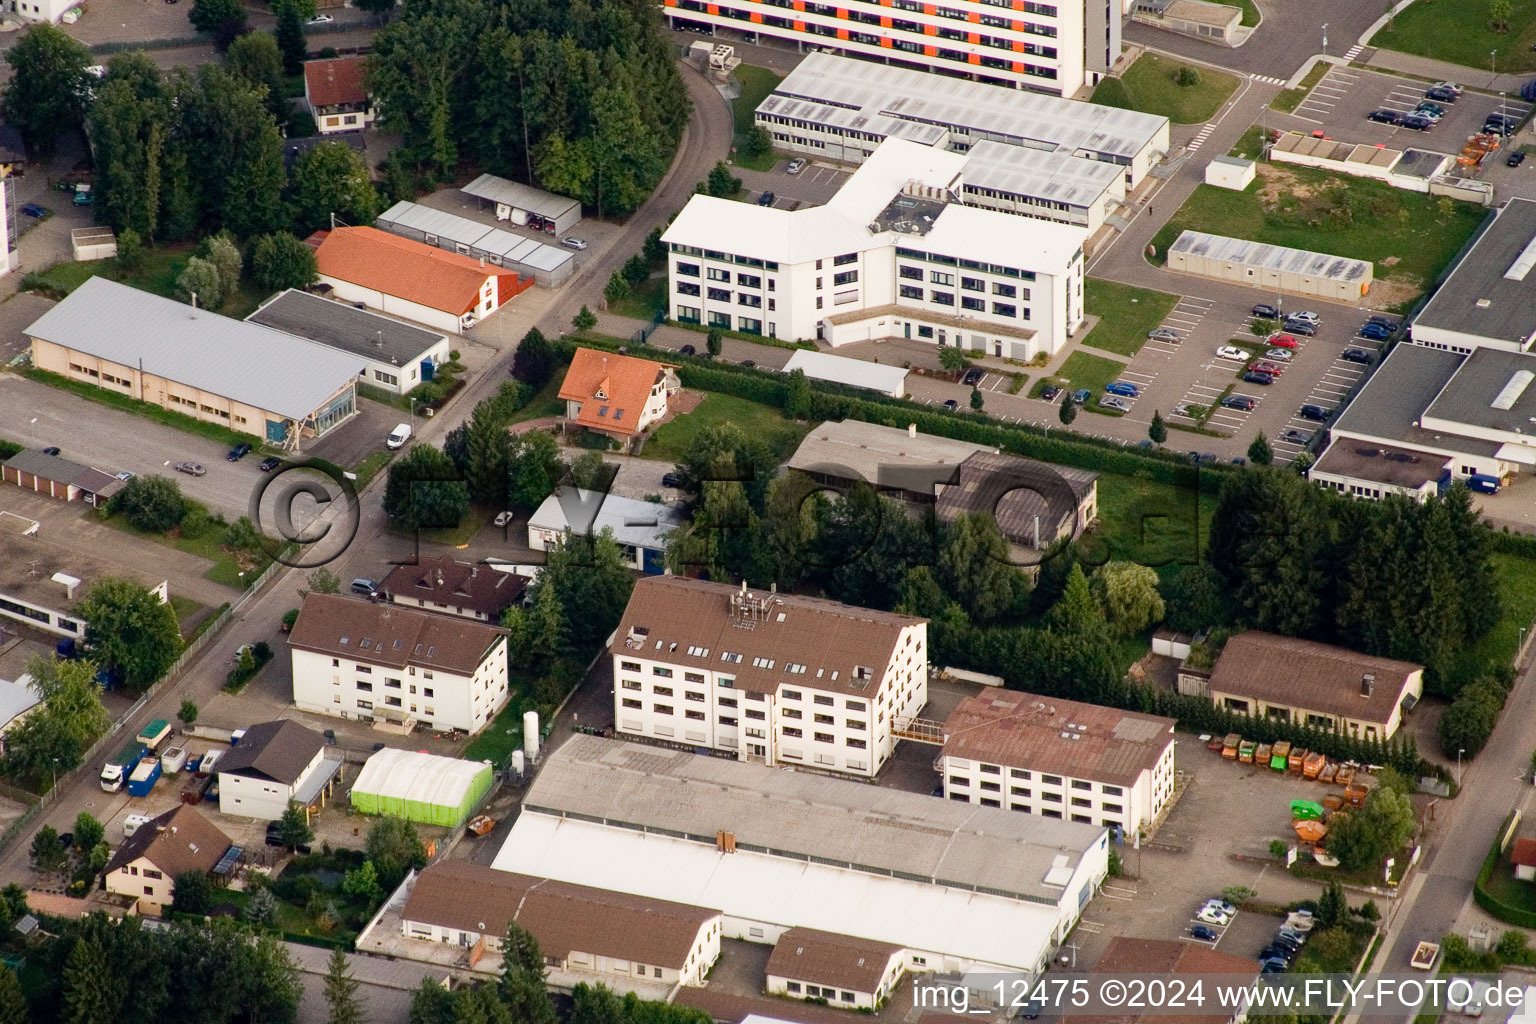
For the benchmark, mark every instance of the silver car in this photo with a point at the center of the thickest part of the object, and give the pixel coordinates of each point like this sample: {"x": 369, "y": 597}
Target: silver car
{"x": 796, "y": 165}
{"x": 1117, "y": 404}
{"x": 1163, "y": 334}
{"x": 189, "y": 468}
{"x": 1279, "y": 355}
{"x": 573, "y": 242}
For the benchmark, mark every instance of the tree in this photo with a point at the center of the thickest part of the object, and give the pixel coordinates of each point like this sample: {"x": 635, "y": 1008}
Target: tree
{"x": 1158, "y": 431}
{"x": 211, "y": 15}
{"x": 1187, "y": 77}
{"x": 1468, "y": 723}
{"x": 1196, "y": 599}
{"x": 1370, "y": 913}
{"x": 1332, "y": 906}
{"x": 1068, "y": 411}
{"x": 341, "y": 1000}
{"x": 759, "y": 142}
{"x": 193, "y": 893}
{"x": 424, "y": 490}
{"x": 87, "y": 995}
{"x": 47, "y": 854}
{"x": 584, "y": 320}
{"x": 1499, "y": 12}
{"x": 332, "y": 178}
{"x": 533, "y": 362}
{"x": 617, "y": 288}
{"x": 521, "y": 985}
{"x": 973, "y": 567}
{"x": 714, "y": 341}
{"x": 488, "y": 449}
{"x": 13, "y": 1003}
{"x": 323, "y": 581}
{"x": 130, "y": 629}
{"x": 88, "y": 831}
{"x": 797, "y": 395}
{"x": 256, "y": 58}
{"x": 1360, "y": 839}
{"x": 71, "y": 697}
{"x": 1259, "y": 452}
{"x": 721, "y": 183}
{"x": 394, "y": 848}
{"x": 261, "y": 908}
{"x": 952, "y": 359}
{"x": 1128, "y": 595}
{"x": 293, "y": 827}
{"x": 1268, "y": 540}
{"x": 590, "y": 472}
{"x": 976, "y": 399}
{"x": 431, "y": 1004}
{"x": 654, "y": 250}
{"x": 533, "y": 469}
{"x": 291, "y": 41}
{"x": 224, "y": 254}
{"x": 1278, "y": 849}
{"x": 362, "y": 881}
{"x": 130, "y": 251}
{"x": 40, "y": 745}
{"x": 1512, "y": 947}
{"x": 378, "y": 8}
{"x": 199, "y": 284}
{"x": 49, "y": 87}
{"x": 636, "y": 270}
{"x": 280, "y": 261}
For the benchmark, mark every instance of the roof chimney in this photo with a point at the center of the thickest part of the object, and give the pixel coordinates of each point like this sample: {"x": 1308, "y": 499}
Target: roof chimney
{"x": 1367, "y": 685}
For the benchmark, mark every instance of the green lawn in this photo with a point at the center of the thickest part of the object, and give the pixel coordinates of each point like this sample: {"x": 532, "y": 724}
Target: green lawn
{"x": 1126, "y": 315}
{"x": 225, "y": 568}
{"x": 1333, "y": 213}
{"x": 1153, "y": 524}
{"x": 504, "y": 733}
{"x": 546, "y": 402}
{"x": 1457, "y": 31}
{"x": 1287, "y": 100}
{"x": 214, "y": 431}
{"x": 643, "y": 302}
{"x": 1149, "y": 86}
{"x": 762, "y": 422}
{"x": 370, "y": 466}
{"x": 1517, "y": 590}
{"x": 1251, "y": 145}
{"x": 158, "y": 275}
{"x": 756, "y": 84}
{"x": 1085, "y": 370}
{"x": 185, "y": 608}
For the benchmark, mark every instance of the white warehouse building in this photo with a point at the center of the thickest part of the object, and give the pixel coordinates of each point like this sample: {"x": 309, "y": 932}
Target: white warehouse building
{"x": 894, "y": 254}
{"x": 955, "y": 888}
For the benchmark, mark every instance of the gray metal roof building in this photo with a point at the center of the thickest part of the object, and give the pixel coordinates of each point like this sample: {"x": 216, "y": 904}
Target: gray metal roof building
{"x": 1490, "y": 298}
{"x": 343, "y": 326}
{"x": 1037, "y": 183}
{"x": 515, "y": 196}
{"x": 1270, "y": 266}
{"x": 1390, "y": 405}
{"x": 548, "y": 265}
{"x": 1493, "y": 390}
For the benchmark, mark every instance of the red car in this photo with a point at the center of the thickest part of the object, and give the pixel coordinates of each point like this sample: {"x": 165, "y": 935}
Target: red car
{"x": 1273, "y": 369}
{"x": 1282, "y": 340}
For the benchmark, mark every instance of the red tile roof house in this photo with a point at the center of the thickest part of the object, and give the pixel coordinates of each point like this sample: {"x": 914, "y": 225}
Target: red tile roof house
{"x": 337, "y": 95}
{"x": 1522, "y": 854}
{"x": 412, "y": 280}
{"x": 620, "y": 396}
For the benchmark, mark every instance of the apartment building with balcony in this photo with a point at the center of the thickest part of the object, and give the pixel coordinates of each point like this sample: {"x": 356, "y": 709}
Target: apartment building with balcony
{"x": 773, "y": 678}
{"x": 1058, "y": 759}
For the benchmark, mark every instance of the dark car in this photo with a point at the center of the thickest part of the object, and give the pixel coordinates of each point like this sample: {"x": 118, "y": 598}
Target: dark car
{"x": 951, "y": 405}
{"x": 1050, "y": 392}
{"x": 1500, "y": 124}
{"x": 1356, "y": 355}
{"x": 670, "y": 480}
{"x": 238, "y": 452}
{"x": 1239, "y": 461}
{"x": 1313, "y": 412}
{"x": 1440, "y": 95}
{"x": 1296, "y": 436}
{"x": 1384, "y": 116}
{"x": 1206, "y": 458}
{"x": 34, "y": 210}
{"x": 50, "y": 451}
{"x": 766, "y": 199}
{"x": 1242, "y": 402}
{"x": 686, "y": 350}
{"x": 66, "y": 839}
{"x": 973, "y": 375}
{"x": 270, "y": 463}
{"x": 1266, "y": 311}
{"x": 1375, "y": 332}
{"x": 1256, "y": 377}
{"x": 1081, "y": 396}
{"x": 1302, "y": 327}
{"x": 1417, "y": 122}
{"x": 1516, "y": 158}
{"x": 1203, "y": 932}
{"x": 1123, "y": 388}
{"x": 1377, "y": 318}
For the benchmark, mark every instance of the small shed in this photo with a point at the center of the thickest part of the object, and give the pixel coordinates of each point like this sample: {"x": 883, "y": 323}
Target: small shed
{"x": 1523, "y": 856}
{"x": 1231, "y": 172}
{"x": 93, "y": 243}
{"x": 420, "y": 787}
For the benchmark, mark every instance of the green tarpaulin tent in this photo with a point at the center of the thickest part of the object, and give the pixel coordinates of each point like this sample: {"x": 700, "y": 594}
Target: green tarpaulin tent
{"x": 420, "y": 787}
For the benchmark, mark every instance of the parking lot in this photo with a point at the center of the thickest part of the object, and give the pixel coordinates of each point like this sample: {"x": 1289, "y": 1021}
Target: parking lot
{"x": 812, "y": 186}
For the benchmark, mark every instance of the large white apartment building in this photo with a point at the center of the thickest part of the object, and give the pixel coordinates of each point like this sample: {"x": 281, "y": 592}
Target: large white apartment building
{"x": 380, "y": 662}
{"x": 774, "y": 678}
{"x": 1058, "y": 759}
{"x": 832, "y": 108}
{"x": 894, "y": 254}
{"x": 1055, "y": 48}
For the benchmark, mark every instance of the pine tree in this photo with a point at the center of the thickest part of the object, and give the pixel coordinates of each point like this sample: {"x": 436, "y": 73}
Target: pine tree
{"x": 488, "y": 446}
{"x": 1158, "y": 431}
{"x": 521, "y": 986}
{"x": 13, "y": 1004}
{"x": 1259, "y": 452}
{"x": 1068, "y": 411}
{"x": 341, "y": 992}
{"x": 86, "y": 995}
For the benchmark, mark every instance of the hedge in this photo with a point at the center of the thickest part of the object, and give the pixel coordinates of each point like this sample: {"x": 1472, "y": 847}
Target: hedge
{"x": 1521, "y": 545}
{"x": 9, "y": 448}
{"x": 1487, "y": 900}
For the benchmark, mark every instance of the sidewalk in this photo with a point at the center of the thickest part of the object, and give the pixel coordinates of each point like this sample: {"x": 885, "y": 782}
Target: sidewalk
{"x": 1440, "y": 70}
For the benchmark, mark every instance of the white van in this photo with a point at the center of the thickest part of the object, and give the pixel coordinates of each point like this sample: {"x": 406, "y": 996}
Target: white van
{"x": 133, "y": 821}
{"x": 398, "y": 436}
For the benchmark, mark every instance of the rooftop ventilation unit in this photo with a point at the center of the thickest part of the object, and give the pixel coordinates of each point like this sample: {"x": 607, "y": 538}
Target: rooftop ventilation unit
{"x": 1523, "y": 263}
{"x": 1518, "y": 382}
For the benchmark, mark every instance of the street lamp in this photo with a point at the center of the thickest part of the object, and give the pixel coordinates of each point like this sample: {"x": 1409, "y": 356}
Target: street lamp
{"x": 1325, "y": 39}
{"x": 55, "y": 785}
{"x": 1459, "y": 752}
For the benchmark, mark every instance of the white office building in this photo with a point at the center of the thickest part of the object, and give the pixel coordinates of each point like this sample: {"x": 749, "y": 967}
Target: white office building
{"x": 774, "y": 678}
{"x": 832, "y": 108}
{"x": 1056, "y": 48}
{"x": 894, "y": 254}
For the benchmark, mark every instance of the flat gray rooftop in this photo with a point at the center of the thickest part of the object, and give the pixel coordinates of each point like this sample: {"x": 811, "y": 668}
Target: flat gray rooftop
{"x": 799, "y": 814}
{"x": 1386, "y": 464}
{"x": 32, "y": 562}
{"x": 1398, "y": 393}
{"x": 1479, "y": 381}
{"x": 1478, "y": 298}
{"x": 1271, "y": 257}
{"x": 1057, "y": 177}
{"x": 344, "y": 326}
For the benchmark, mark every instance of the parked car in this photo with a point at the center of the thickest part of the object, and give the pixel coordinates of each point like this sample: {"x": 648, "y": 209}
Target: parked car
{"x": 34, "y": 210}
{"x": 1256, "y": 377}
{"x": 1050, "y": 392}
{"x": 1440, "y": 94}
{"x": 1375, "y": 332}
{"x": 1266, "y": 311}
{"x": 572, "y": 242}
{"x": 1210, "y": 915}
{"x": 1181, "y": 410}
{"x": 270, "y": 463}
{"x": 766, "y": 199}
{"x": 951, "y": 404}
{"x": 670, "y": 480}
{"x": 1356, "y": 355}
{"x": 320, "y": 19}
{"x": 238, "y": 452}
{"x": 189, "y": 468}
{"x": 1296, "y": 436}
{"x": 1273, "y": 369}
{"x": 50, "y": 450}
{"x": 1081, "y": 396}
{"x": 1232, "y": 352}
{"x": 1283, "y": 355}
{"x": 1117, "y": 404}
{"x": 1377, "y": 318}
{"x": 1301, "y": 327}
{"x": 1239, "y": 461}
{"x": 1242, "y": 403}
{"x": 686, "y": 350}
{"x": 1500, "y": 124}
{"x": 1516, "y": 158}
{"x": 1384, "y": 116}
{"x": 796, "y": 165}
{"x": 1313, "y": 412}
{"x": 363, "y": 585}
{"x": 1429, "y": 108}
{"x": 1450, "y": 87}
{"x": 1203, "y": 932}
{"x": 502, "y": 519}
{"x": 1163, "y": 334}
{"x": 973, "y": 375}
{"x": 1282, "y": 340}
{"x": 125, "y": 476}
{"x": 1123, "y": 388}
{"x": 1305, "y": 314}
{"x": 1221, "y": 905}
{"x": 750, "y": 364}
{"x": 1417, "y": 122}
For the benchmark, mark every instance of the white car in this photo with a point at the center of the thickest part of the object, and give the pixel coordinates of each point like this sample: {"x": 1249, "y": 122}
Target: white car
{"x": 1221, "y": 905}
{"x": 1279, "y": 355}
{"x": 795, "y": 166}
{"x": 503, "y": 518}
{"x": 1210, "y": 915}
{"x": 1232, "y": 352}
{"x": 573, "y": 242}
{"x": 320, "y": 19}
{"x": 70, "y": 16}
{"x": 1305, "y": 315}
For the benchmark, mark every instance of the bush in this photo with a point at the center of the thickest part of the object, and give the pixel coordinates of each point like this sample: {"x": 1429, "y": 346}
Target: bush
{"x": 152, "y": 503}
{"x": 1187, "y": 77}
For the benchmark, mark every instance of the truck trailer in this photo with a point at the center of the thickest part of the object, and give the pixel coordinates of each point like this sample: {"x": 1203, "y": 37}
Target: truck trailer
{"x": 155, "y": 733}
{"x": 144, "y": 777}
{"x": 115, "y": 771}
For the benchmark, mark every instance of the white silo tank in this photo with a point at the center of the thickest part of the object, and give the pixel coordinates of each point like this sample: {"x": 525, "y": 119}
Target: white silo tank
{"x": 531, "y": 734}
{"x": 517, "y": 763}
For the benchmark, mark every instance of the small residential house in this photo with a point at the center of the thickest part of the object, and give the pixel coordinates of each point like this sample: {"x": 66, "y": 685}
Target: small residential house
{"x": 1522, "y": 854}
{"x": 412, "y": 280}
{"x": 641, "y": 528}
{"x": 394, "y": 667}
{"x": 336, "y": 94}
{"x": 148, "y": 863}
{"x": 472, "y": 590}
{"x": 1320, "y": 685}
{"x": 620, "y": 396}
{"x": 1171, "y": 959}
{"x": 580, "y": 930}
{"x": 275, "y": 764}
{"x": 847, "y": 972}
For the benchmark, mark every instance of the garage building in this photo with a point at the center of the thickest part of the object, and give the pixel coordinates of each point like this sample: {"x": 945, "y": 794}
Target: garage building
{"x": 420, "y": 787}
{"x": 515, "y": 202}
{"x": 246, "y": 377}
{"x": 547, "y": 265}
{"x": 35, "y": 470}
{"x": 1271, "y": 267}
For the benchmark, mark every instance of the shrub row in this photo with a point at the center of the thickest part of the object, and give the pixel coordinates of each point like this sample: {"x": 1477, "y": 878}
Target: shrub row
{"x": 1487, "y": 900}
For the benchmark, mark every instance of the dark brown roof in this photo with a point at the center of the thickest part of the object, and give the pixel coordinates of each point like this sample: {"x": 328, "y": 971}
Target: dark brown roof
{"x": 457, "y": 584}
{"x": 385, "y": 634}
{"x": 179, "y": 840}
{"x": 668, "y": 615}
{"x": 279, "y": 751}
{"x": 1022, "y": 730}
{"x": 563, "y": 917}
{"x": 1168, "y": 958}
{"x": 825, "y": 958}
{"x": 1306, "y": 674}
{"x": 1016, "y": 490}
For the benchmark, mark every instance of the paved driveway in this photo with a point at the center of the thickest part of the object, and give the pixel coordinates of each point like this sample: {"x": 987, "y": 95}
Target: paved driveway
{"x": 1342, "y": 99}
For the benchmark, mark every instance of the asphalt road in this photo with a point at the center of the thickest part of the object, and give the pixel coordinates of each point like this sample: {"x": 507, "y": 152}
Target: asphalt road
{"x": 1290, "y": 33}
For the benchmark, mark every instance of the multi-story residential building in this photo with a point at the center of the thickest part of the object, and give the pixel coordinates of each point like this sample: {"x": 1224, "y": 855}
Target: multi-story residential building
{"x": 894, "y": 254}
{"x": 1056, "y": 48}
{"x": 336, "y": 94}
{"x": 1058, "y": 759}
{"x": 382, "y": 662}
{"x": 832, "y": 108}
{"x": 774, "y": 678}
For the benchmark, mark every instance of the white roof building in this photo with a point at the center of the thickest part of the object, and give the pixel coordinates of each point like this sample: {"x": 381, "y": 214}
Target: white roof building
{"x": 888, "y": 380}
{"x": 640, "y": 527}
